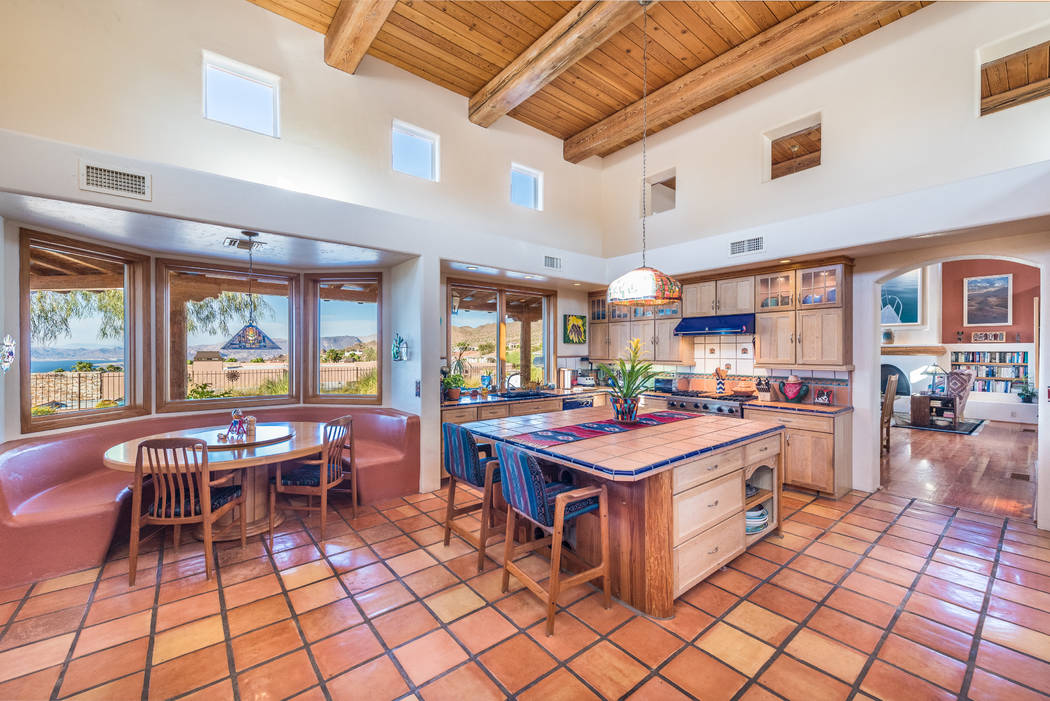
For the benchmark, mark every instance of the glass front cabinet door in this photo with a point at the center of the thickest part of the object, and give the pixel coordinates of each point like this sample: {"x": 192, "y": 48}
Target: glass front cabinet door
{"x": 820, "y": 287}
{"x": 597, "y": 305}
{"x": 775, "y": 291}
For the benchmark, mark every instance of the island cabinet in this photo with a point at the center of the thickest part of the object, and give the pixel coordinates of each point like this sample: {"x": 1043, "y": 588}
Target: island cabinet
{"x": 817, "y": 448}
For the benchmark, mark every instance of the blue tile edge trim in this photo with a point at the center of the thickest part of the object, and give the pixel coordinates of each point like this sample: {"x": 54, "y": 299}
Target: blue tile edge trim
{"x": 623, "y": 473}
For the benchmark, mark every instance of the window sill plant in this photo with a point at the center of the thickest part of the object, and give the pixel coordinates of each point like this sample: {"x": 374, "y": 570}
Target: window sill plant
{"x": 452, "y": 384}
{"x": 628, "y": 380}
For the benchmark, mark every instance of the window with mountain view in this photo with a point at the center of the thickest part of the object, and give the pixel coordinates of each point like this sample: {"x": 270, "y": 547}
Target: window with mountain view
{"x": 346, "y": 358}
{"x": 229, "y": 334}
{"x": 79, "y": 359}
{"x": 497, "y": 336}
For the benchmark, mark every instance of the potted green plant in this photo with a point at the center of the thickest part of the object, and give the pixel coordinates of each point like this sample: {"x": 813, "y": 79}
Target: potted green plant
{"x": 629, "y": 379}
{"x": 1027, "y": 393}
{"x": 451, "y": 384}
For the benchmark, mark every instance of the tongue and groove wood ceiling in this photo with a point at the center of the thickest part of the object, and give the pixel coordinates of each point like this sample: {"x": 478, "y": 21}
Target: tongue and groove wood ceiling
{"x": 574, "y": 69}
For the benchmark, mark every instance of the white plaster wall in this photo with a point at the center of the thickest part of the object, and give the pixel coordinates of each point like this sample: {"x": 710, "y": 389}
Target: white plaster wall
{"x": 899, "y": 110}
{"x": 125, "y": 76}
{"x": 869, "y": 272}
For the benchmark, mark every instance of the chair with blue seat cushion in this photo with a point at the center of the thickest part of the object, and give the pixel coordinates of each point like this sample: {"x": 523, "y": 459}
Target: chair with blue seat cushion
{"x": 314, "y": 477}
{"x": 475, "y": 465}
{"x": 549, "y": 505}
{"x": 183, "y": 493}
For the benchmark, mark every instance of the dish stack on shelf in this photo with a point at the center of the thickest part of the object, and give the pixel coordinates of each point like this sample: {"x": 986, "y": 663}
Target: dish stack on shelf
{"x": 756, "y": 520}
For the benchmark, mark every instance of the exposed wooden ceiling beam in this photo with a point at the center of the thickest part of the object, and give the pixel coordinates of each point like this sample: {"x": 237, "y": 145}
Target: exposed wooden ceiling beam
{"x": 352, "y": 31}
{"x": 779, "y": 45}
{"x": 586, "y": 27}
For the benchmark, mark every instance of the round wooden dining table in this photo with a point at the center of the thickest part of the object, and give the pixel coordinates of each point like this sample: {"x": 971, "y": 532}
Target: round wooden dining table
{"x": 275, "y": 442}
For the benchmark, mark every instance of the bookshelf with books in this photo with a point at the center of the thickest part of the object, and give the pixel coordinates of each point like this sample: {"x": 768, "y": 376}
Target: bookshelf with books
{"x": 997, "y": 371}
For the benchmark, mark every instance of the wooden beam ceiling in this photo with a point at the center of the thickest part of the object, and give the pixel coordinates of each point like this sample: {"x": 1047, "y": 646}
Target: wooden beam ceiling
{"x": 587, "y": 26}
{"x": 574, "y": 69}
{"x": 785, "y": 42}
{"x": 353, "y": 28}
{"x": 1015, "y": 79}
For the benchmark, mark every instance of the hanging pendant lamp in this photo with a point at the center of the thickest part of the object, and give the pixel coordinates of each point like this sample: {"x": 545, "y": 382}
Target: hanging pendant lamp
{"x": 251, "y": 337}
{"x": 644, "y": 286}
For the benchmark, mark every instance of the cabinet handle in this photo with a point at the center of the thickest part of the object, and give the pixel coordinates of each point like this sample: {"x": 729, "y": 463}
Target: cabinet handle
{"x": 718, "y": 304}
{"x": 798, "y": 338}
{"x": 712, "y": 552}
{"x": 791, "y": 338}
{"x": 712, "y": 468}
{"x": 712, "y": 305}
{"x": 787, "y": 438}
{"x": 711, "y": 506}
{"x": 764, "y": 449}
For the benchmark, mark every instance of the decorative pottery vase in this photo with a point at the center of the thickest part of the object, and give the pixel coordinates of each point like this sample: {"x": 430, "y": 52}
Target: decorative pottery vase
{"x": 626, "y": 410}
{"x": 452, "y": 394}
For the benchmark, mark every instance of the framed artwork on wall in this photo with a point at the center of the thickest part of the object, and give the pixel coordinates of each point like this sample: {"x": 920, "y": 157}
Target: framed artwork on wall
{"x": 574, "y": 328}
{"x": 902, "y": 299}
{"x": 988, "y": 300}
{"x": 824, "y": 396}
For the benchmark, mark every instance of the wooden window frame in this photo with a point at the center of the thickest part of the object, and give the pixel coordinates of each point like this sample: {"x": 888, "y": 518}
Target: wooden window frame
{"x": 165, "y": 404}
{"x": 501, "y": 290}
{"x": 312, "y": 339}
{"x": 137, "y": 381}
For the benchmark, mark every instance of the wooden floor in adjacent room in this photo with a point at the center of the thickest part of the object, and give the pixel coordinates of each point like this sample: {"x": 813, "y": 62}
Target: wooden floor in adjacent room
{"x": 971, "y": 472}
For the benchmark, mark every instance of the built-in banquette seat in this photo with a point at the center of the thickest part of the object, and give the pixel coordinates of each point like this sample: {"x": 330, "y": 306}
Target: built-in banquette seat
{"x": 59, "y": 505}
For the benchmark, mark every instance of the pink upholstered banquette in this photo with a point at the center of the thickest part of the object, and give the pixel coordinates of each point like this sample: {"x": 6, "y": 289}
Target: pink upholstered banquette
{"x": 59, "y": 505}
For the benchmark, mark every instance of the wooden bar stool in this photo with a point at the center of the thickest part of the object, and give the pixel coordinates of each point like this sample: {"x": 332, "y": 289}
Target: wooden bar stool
{"x": 464, "y": 463}
{"x": 548, "y": 505}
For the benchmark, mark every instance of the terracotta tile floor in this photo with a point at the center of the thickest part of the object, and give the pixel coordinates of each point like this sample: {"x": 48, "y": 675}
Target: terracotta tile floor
{"x": 871, "y": 596}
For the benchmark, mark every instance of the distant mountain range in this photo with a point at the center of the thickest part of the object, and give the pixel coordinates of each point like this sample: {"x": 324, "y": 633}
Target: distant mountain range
{"x": 79, "y": 353}
{"x": 117, "y": 352}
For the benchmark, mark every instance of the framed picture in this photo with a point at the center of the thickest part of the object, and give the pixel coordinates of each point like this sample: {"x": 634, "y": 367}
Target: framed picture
{"x": 902, "y": 299}
{"x": 824, "y": 396}
{"x": 574, "y": 328}
{"x": 988, "y": 300}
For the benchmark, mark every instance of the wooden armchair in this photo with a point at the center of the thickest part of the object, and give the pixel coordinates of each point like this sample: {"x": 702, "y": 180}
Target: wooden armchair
{"x": 315, "y": 477}
{"x": 887, "y": 412}
{"x": 183, "y": 493}
{"x": 958, "y": 386}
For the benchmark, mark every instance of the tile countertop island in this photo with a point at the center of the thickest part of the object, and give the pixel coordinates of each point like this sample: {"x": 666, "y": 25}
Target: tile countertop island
{"x": 676, "y": 493}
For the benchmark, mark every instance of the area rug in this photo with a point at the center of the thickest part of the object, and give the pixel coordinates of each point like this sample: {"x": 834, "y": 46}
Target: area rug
{"x": 579, "y": 432}
{"x": 966, "y": 428}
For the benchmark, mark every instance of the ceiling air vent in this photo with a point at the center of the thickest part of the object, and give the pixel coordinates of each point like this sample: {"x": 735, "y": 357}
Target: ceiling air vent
{"x": 746, "y": 246}
{"x": 110, "y": 181}
{"x": 551, "y": 263}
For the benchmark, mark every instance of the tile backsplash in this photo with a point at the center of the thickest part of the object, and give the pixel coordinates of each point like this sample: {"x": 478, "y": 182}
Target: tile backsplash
{"x": 738, "y": 352}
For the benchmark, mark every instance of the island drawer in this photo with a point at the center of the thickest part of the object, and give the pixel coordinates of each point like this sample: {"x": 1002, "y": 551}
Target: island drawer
{"x": 497, "y": 411}
{"x": 698, "y": 557}
{"x": 791, "y": 419}
{"x": 699, "y": 508}
{"x": 761, "y": 450}
{"x": 706, "y": 469}
{"x": 459, "y": 416}
{"x": 541, "y": 407}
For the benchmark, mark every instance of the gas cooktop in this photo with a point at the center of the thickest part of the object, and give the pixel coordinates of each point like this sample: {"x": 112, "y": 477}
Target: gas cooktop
{"x": 709, "y": 402}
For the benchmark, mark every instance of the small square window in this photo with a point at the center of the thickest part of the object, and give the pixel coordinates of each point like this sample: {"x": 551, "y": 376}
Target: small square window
{"x": 526, "y": 187}
{"x": 414, "y": 151}
{"x": 240, "y": 95}
{"x": 660, "y": 192}
{"x": 795, "y": 152}
{"x": 1015, "y": 79}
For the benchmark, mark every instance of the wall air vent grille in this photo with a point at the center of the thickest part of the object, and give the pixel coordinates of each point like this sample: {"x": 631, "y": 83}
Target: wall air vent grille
{"x": 122, "y": 183}
{"x": 551, "y": 263}
{"x": 747, "y": 246}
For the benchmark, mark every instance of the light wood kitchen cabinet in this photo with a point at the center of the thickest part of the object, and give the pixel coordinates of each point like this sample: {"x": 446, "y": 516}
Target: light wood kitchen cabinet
{"x": 596, "y": 305}
{"x": 698, "y": 299}
{"x": 775, "y": 338}
{"x": 824, "y": 286}
{"x": 671, "y": 348}
{"x": 817, "y": 448}
{"x": 735, "y": 296}
{"x": 820, "y": 337}
{"x": 775, "y": 291}
{"x": 643, "y": 331}
{"x": 598, "y": 344}
{"x": 619, "y": 337}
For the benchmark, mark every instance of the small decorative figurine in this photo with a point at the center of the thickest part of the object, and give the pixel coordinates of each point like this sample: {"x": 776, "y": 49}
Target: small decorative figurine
{"x": 249, "y": 424}
{"x": 794, "y": 389}
{"x": 237, "y": 429}
{"x": 7, "y": 353}
{"x": 399, "y": 348}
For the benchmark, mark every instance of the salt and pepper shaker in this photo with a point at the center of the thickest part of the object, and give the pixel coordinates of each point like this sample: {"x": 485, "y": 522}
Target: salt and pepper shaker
{"x": 250, "y": 427}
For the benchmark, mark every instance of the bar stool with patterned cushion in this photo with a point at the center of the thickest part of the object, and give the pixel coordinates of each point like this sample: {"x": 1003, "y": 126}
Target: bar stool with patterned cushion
{"x": 314, "y": 477}
{"x": 549, "y": 505}
{"x": 464, "y": 463}
{"x": 184, "y": 493}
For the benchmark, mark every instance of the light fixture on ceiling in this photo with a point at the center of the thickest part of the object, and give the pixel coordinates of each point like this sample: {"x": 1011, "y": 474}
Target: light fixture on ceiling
{"x": 251, "y": 337}
{"x": 785, "y": 260}
{"x": 472, "y": 267}
{"x": 248, "y": 244}
{"x": 576, "y": 284}
{"x": 644, "y": 286}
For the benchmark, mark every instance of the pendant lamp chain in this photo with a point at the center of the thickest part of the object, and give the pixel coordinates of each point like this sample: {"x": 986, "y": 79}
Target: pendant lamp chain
{"x": 645, "y": 113}
{"x": 251, "y": 277}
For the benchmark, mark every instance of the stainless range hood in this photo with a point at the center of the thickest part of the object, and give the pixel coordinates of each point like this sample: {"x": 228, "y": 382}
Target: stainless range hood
{"x": 728, "y": 325}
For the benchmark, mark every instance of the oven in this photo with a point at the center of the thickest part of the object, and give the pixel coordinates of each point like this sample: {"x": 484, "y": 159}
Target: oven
{"x": 577, "y": 403}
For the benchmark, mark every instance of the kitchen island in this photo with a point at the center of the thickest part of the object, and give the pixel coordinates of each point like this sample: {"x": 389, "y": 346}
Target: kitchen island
{"x": 676, "y": 490}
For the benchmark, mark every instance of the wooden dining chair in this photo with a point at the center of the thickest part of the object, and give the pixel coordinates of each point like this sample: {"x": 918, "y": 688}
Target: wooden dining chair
{"x": 314, "y": 477}
{"x": 548, "y": 505}
{"x": 475, "y": 465}
{"x": 886, "y": 419}
{"x": 183, "y": 493}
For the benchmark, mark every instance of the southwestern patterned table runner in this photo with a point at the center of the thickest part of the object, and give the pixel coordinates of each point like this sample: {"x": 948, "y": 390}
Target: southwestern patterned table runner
{"x": 579, "y": 432}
